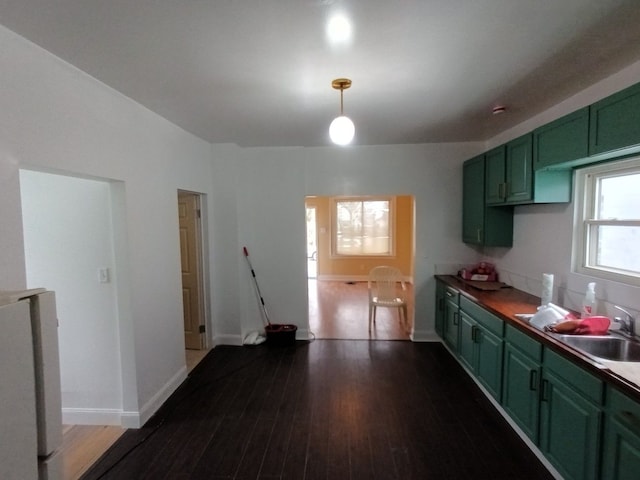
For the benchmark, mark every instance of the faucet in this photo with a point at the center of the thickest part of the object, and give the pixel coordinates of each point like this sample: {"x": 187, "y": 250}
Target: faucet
{"x": 627, "y": 324}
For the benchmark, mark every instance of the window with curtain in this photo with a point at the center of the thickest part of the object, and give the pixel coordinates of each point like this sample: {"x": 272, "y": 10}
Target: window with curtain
{"x": 363, "y": 226}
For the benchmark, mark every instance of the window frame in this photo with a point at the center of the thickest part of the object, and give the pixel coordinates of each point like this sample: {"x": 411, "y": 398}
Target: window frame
{"x": 363, "y": 198}
{"x": 585, "y": 224}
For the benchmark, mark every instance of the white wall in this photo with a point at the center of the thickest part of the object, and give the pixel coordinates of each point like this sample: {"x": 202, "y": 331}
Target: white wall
{"x": 68, "y": 228}
{"x": 543, "y": 233}
{"x": 54, "y": 117}
{"x": 271, "y": 216}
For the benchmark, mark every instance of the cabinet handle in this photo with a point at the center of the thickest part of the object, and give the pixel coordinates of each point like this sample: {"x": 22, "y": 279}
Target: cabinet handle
{"x": 533, "y": 380}
{"x": 455, "y": 318}
{"x": 478, "y": 233}
{"x": 543, "y": 391}
{"x": 629, "y": 418}
{"x": 501, "y": 190}
{"x": 473, "y": 333}
{"x": 449, "y": 294}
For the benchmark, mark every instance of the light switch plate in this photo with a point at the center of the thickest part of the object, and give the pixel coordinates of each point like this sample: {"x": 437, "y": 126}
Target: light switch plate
{"x": 103, "y": 275}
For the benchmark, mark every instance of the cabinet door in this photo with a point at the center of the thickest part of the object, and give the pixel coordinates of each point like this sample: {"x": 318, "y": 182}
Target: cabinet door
{"x": 467, "y": 346}
{"x": 495, "y": 176}
{"x": 520, "y": 391}
{"x": 482, "y": 225}
{"x": 451, "y": 324}
{"x": 614, "y": 122}
{"x": 519, "y": 170}
{"x": 570, "y": 428}
{"x": 561, "y": 141}
{"x": 440, "y": 295}
{"x": 489, "y": 360}
{"x": 473, "y": 201}
{"x": 621, "y": 458}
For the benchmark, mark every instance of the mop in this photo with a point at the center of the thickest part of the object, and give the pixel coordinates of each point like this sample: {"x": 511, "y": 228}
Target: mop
{"x": 254, "y": 337}
{"x": 276, "y": 333}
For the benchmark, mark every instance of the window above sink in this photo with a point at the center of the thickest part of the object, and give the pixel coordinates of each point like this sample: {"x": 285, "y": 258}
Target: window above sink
{"x": 607, "y": 221}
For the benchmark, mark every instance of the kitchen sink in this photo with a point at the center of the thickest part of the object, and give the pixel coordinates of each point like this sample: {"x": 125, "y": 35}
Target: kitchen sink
{"x": 606, "y": 347}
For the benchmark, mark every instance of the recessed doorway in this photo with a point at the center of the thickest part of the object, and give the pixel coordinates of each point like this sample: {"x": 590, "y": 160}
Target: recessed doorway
{"x": 337, "y": 285}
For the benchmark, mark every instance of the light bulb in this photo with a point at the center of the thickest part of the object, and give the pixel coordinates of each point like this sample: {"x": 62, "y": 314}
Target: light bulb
{"x": 341, "y": 130}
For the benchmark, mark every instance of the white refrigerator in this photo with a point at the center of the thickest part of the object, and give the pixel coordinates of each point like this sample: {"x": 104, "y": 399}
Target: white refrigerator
{"x": 30, "y": 397}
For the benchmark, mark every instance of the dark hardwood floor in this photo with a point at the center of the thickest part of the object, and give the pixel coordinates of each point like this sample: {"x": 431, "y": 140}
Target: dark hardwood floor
{"x": 330, "y": 409}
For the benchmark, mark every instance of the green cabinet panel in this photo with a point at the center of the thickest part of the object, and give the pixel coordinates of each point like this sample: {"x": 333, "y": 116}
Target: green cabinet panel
{"x": 615, "y": 123}
{"x": 440, "y": 289}
{"x": 520, "y": 391}
{"x": 479, "y": 348}
{"x": 524, "y": 343}
{"x": 495, "y": 175}
{"x": 466, "y": 346}
{"x": 489, "y": 362}
{"x": 482, "y": 316}
{"x": 519, "y": 170}
{"x": 621, "y": 457}
{"x": 572, "y": 375}
{"x": 563, "y": 140}
{"x": 570, "y": 419}
{"x": 473, "y": 201}
{"x": 451, "y": 318}
{"x": 509, "y": 173}
{"x": 482, "y": 225}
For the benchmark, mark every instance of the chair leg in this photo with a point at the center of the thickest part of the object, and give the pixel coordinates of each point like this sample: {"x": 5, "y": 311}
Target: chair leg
{"x": 370, "y": 313}
{"x": 406, "y": 318}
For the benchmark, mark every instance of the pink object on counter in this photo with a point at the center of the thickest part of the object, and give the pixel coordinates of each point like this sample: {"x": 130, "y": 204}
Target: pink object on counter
{"x": 593, "y": 326}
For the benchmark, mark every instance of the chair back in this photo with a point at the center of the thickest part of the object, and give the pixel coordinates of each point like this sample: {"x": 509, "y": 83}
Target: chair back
{"x": 384, "y": 282}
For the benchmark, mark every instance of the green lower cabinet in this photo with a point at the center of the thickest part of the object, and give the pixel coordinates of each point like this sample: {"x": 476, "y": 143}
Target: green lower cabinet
{"x": 621, "y": 457}
{"x": 520, "y": 392}
{"x": 440, "y": 289}
{"x": 467, "y": 346}
{"x": 489, "y": 367}
{"x": 451, "y": 319}
{"x": 481, "y": 350}
{"x": 570, "y": 420}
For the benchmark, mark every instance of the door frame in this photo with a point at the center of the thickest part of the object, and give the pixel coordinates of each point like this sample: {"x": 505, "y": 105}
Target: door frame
{"x": 201, "y": 266}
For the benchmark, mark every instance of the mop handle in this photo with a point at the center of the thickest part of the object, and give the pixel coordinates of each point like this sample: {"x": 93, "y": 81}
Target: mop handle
{"x": 255, "y": 282}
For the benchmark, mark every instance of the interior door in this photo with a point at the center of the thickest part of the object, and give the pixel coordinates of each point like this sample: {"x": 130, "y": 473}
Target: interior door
{"x": 190, "y": 258}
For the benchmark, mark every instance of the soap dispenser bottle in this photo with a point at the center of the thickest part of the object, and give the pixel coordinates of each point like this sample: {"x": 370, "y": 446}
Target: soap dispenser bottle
{"x": 589, "y": 302}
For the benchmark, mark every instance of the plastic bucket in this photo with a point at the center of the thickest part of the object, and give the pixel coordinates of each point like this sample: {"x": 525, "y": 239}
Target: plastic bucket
{"x": 281, "y": 335}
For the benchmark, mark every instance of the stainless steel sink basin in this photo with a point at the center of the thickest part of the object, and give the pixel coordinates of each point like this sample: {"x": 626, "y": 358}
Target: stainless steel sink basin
{"x": 606, "y": 347}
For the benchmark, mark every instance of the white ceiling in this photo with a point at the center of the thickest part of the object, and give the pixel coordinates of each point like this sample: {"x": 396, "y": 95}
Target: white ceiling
{"x": 258, "y": 72}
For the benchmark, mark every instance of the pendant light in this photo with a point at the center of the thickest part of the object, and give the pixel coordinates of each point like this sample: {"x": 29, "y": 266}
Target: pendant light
{"x": 341, "y": 130}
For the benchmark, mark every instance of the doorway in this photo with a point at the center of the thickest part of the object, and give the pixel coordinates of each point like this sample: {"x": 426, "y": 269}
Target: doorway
{"x": 337, "y": 284}
{"x": 70, "y": 229}
{"x": 191, "y": 258}
{"x": 312, "y": 242}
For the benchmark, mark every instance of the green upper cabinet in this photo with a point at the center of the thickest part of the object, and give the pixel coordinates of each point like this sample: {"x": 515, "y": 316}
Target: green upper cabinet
{"x": 482, "y": 225}
{"x": 563, "y": 140}
{"x": 615, "y": 123}
{"x": 511, "y": 180}
{"x": 495, "y": 173}
{"x": 509, "y": 170}
{"x": 519, "y": 170}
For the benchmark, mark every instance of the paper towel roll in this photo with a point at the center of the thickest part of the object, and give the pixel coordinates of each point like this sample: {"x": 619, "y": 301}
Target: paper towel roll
{"x": 547, "y": 288}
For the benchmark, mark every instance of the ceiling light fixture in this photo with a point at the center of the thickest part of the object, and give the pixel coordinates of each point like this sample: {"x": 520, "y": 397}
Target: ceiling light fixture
{"x": 341, "y": 129}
